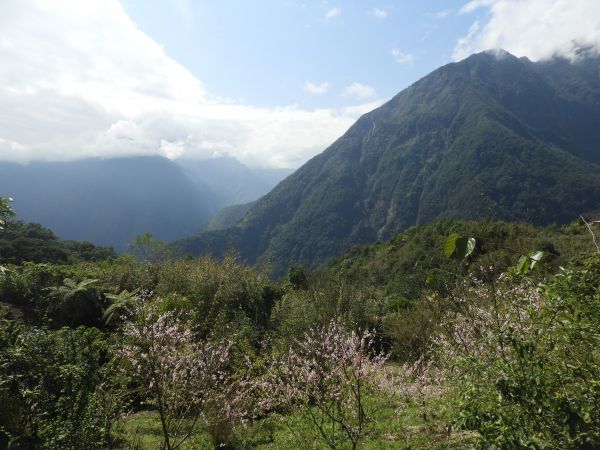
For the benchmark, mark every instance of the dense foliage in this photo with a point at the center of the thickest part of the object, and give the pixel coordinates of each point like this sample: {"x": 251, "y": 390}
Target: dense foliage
{"x": 20, "y": 242}
{"x": 525, "y": 360}
{"x": 450, "y": 335}
{"x": 57, "y": 388}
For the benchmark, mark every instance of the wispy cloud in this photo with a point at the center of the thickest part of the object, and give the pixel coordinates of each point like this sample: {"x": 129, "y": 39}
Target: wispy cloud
{"x": 443, "y": 14}
{"x": 475, "y": 4}
{"x": 402, "y": 58}
{"x": 316, "y": 89}
{"x": 333, "y": 12}
{"x": 380, "y": 13}
{"x": 464, "y": 44}
{"x": 537, "y": 29}
{"x": 359, "y": 91}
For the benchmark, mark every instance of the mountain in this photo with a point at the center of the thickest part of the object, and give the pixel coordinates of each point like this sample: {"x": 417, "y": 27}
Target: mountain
{"x": 228, "y": 217}
{"x": 490, "y": 136}
{"x": 232, "y": 182}
{"x": 108, "y": 201}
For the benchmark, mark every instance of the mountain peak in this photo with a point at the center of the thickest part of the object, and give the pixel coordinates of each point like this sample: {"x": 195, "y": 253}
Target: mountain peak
{"x": 498, "y": 54}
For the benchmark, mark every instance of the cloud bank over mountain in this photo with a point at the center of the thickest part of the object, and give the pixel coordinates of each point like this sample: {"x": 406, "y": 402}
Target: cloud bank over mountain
{"x": 538, "y": 29}
{"x": 80, "y": 79}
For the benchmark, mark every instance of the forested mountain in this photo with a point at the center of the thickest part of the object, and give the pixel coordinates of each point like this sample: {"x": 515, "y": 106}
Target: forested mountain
{"x": 491, "y": 136}
{"x": 231, "y": 181}
{"x": 228, "y": 216}
{"x": 108, "y": 201}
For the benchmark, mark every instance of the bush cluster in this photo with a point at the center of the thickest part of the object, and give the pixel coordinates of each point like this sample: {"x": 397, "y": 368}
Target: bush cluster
{"x": 473, "y": 342}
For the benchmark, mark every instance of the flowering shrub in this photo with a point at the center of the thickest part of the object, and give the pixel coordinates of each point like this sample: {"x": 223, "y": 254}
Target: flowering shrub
{"x": 180, "y": 376}
{"x": 525, "y": 363}
{"x": 329, "y": 378}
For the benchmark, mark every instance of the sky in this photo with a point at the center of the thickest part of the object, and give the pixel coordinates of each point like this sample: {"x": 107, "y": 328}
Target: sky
{"x": 270, "y": 82}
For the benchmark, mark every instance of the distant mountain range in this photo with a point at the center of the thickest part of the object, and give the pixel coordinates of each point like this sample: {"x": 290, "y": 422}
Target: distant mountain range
{"x": 231, "y": 182}
{"x": 491, "y": 136}
{"x": 109, "y": 201}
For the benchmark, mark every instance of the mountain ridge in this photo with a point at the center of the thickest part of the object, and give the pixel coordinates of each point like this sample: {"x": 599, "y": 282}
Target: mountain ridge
{"x": 490, "y": 136}
{"x": 107, "y": 201}
{"x": 110, "y": 200}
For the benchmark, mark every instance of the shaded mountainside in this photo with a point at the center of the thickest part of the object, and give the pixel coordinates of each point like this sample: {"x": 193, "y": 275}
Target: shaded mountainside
{"x": 108, "y": 201}
{"x": 231, "y": 181}
{"x": 491, "y": 136}
{"x": 228, "y": 216}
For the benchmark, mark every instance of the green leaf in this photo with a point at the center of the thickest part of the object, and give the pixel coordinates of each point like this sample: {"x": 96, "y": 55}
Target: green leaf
{"x": 470, "y": 246}
{"x": 450, "y": 245}
{"x": 464, "y": 247}
{"x": 523, "y": 265}
{"x": 461, "y": 247}
{"x": 535, "y": 257}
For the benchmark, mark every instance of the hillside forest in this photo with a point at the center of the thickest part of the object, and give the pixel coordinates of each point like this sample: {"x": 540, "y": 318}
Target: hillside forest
{"x": 454, "y": 334}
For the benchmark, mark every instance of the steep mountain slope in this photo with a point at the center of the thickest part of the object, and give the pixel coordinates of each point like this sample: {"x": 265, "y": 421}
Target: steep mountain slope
{"x": 108, "y": 201}
{"x": 228, "y": 216}
{"x": 491, "y": 136}
{"x": 231, "y": 181}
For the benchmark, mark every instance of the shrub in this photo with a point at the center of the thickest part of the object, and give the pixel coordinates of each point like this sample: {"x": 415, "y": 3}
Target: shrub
{"x": 58, "y": 389}
{"x": 527, "y": 361}
{"x": 330, "y": 379}
{"x": 181, "y": 377}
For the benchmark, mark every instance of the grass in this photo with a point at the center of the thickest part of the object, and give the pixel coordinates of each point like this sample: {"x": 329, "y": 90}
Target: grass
{"x": 142, "y": 431}
{"x": 395, "y": 428}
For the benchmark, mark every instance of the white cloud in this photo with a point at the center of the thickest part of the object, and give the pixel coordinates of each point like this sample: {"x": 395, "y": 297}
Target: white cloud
{"x": 443, "y": 14}
{"x": 79, "y": 79}
{"x": 316, "y": 89}
{"x": 380, "y": 13}
{"x": 333, "y": 12}
{"x": 402, "y": 58}
{"x": 538, "y": 29}
{"x": 359, "y": 91}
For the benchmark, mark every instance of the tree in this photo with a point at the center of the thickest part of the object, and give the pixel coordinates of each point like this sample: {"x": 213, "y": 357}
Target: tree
{"x": 297, "y": 277}
{"x": 77, "y": 303}
{"x": 6, "y": 213}
{"x": 330, "y": 378}
{"x": 179, "y": 375}
{"x": 121, "y": 304}
{"x": 146, "y": 247}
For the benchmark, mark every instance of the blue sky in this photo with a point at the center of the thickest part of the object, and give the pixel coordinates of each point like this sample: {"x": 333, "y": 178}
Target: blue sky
{"x": 269, "y": 82}
{"x": 264, "y": 52}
